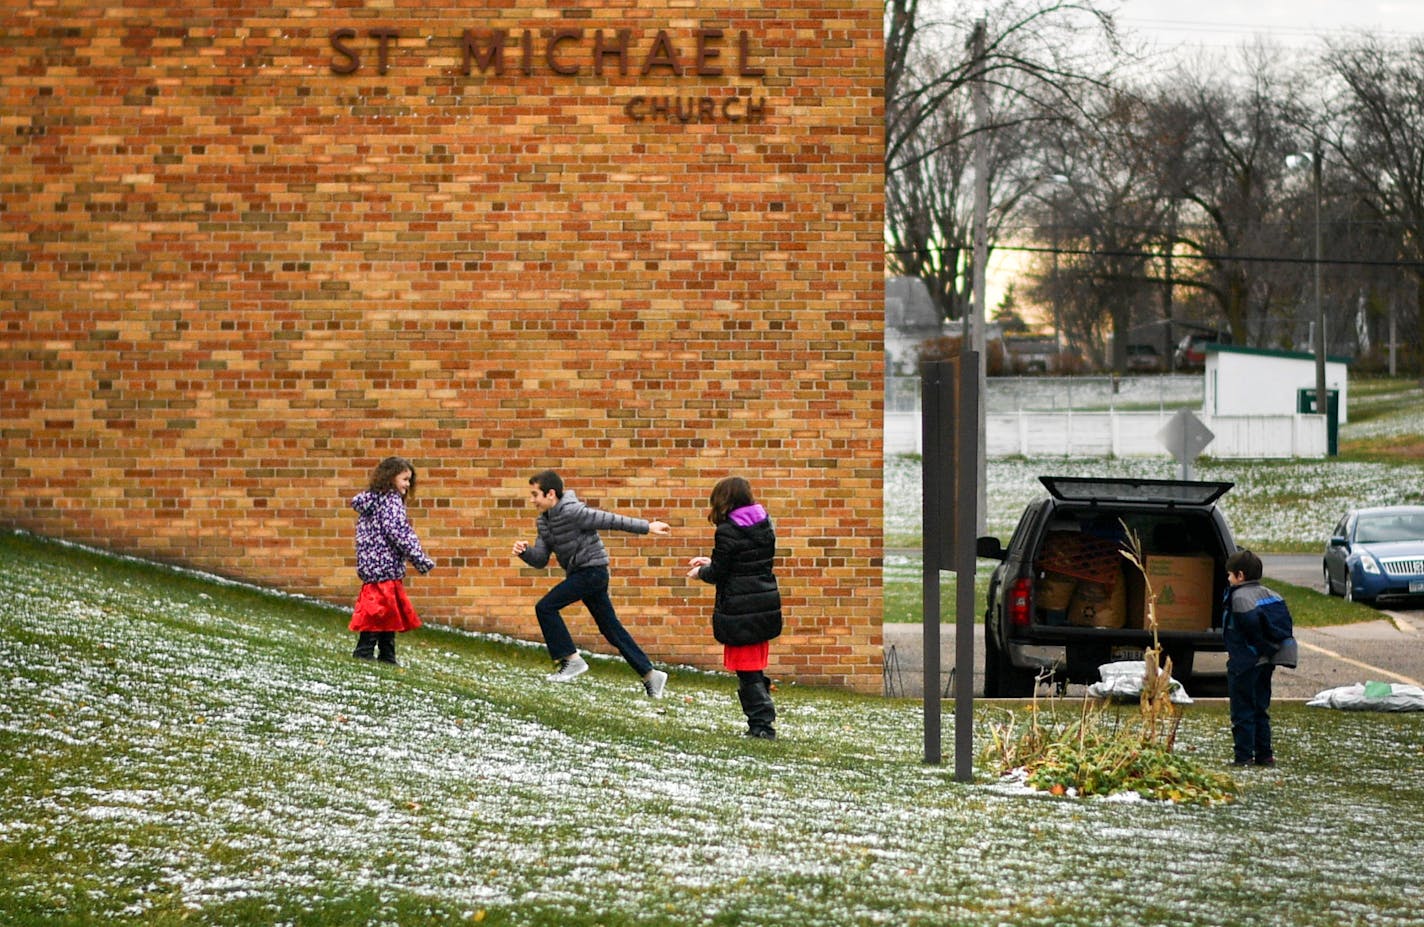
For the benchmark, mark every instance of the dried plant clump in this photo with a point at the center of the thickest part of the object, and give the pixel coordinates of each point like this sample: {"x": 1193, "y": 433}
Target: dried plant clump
{"x": 1101, "y": 753}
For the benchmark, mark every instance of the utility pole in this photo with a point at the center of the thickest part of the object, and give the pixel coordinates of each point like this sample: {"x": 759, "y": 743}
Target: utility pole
{"x": 1170, "y": 354}
{"x": 974, "y": 336}
{"x": 1391, "y": 334}
{"x": 1058, "y": 181}
{"x": 1293, "y": 161}
{"x": 1057, "y": 309}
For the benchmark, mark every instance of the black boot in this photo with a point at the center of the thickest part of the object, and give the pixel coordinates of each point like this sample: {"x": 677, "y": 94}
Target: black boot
{"x": 754, "y": 692}
{"x": 365, "y": 646}
{"x": 386, "y": 643}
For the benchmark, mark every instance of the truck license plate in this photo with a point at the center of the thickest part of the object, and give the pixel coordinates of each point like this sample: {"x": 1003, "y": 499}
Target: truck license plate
{"x": 1121, "y": 654}
{"x": 1416, "y": 586}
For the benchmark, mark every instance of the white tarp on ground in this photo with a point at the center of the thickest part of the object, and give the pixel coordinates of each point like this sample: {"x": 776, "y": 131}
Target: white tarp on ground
{"x": 1122, "y": 682}
{"x": 1371, "y": 696}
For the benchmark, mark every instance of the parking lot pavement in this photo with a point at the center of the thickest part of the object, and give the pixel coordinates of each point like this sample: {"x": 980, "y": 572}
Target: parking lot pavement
{"x": 1388, "y": 650}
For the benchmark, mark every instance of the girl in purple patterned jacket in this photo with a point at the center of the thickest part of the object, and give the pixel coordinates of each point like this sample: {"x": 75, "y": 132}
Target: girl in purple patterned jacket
{"x": 385, "y": 540}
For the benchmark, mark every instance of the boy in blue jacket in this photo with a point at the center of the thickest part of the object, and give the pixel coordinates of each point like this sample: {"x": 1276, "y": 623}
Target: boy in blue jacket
{"x": 1257, "y": 630}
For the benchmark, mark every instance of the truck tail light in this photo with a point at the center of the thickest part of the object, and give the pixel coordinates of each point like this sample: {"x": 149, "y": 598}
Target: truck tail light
{"x": 1020, "y": 602}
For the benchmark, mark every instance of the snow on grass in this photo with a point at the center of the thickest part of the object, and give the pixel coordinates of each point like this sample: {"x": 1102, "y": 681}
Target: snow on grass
{"x": 1274, "y": 505}
{"x": 170, "y": 749}
{"x": 1013, "y": 394}
{"x": 1288, "y": 505}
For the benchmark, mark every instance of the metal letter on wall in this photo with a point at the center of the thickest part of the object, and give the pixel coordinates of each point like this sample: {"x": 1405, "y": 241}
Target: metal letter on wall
{"x": 950, "y": 433}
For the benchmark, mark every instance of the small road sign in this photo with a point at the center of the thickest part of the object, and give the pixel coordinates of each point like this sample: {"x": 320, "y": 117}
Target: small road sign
{"x": 1185, "y": 437}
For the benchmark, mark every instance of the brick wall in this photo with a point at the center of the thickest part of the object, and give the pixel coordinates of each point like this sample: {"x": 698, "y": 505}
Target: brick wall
{"x": 243, "y": 260}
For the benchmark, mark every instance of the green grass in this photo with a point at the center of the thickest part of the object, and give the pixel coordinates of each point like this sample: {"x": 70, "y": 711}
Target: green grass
{"x": 1312, "y": 609}
{"x": 174, "y": 750}
{"x": 1385, "y": 421}
{"x": 904, "y": 595}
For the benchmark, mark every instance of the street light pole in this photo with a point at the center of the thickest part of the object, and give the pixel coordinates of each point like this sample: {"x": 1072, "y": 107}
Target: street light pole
{"x": 1320, "y": 402}
{"x": 1293, "y": 161}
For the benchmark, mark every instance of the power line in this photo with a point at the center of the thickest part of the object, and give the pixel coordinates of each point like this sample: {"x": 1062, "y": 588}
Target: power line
{"x": 1211, "y": 256}
{"x": 1178, "y": 36}
{"x": 1234, "y": 28}
{"x": 1178, "y": 256}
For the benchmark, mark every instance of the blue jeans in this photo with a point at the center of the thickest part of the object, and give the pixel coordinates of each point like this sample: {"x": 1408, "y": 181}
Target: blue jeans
{"x": 589, "y": 586}
{"x": 1249, "y": 690}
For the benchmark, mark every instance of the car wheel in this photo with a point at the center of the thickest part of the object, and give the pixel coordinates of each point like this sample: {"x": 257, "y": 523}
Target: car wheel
{"x": 1351, "y": 595}
{"x": 1018, "y": 683}
{"x": 1329, "y": 584}
{"x": 1001, "y": 678}
{"x": 991, "y": 665}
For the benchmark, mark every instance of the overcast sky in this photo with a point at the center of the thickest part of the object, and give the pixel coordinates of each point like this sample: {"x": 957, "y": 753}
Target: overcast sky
{"x": 1229, "y": 23}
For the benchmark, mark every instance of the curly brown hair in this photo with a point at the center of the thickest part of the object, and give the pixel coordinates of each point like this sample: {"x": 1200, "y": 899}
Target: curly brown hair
{"x": 383, "y": 478}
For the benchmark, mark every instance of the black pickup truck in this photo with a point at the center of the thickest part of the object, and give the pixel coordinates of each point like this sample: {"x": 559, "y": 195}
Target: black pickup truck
{"x": 1065, "y": 600}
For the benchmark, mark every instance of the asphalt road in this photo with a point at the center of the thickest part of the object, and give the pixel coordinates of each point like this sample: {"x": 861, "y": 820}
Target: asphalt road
{"x": 1390, "y": 649}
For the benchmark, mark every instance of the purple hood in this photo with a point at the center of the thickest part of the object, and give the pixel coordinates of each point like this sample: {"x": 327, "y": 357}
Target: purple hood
{"x": 747, "y": 515}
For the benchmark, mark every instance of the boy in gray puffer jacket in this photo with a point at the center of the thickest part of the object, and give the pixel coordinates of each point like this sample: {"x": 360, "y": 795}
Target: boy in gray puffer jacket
{"x": 568, "y": 529}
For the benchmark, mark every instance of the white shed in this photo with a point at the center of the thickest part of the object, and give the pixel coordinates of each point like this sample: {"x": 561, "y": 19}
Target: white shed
{"x": 1253, "y": 381}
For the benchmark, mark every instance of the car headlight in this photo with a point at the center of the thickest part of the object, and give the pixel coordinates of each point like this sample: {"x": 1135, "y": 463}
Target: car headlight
{"x": 1369, "y": 564}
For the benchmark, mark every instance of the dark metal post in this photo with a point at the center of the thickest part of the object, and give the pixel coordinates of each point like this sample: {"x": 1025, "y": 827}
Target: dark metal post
{"x": 950, "y": 434}
{"x": 966, "y": 515}
{"x": 934, "y": 384}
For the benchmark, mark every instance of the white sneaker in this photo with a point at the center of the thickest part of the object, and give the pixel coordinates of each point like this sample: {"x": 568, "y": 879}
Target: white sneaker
{"x": 570, "y": 668}
{"x": 655, "y": 684}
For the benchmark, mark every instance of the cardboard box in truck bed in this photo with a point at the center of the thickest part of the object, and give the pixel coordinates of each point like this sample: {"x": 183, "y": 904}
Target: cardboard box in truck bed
{"x": 1184, "y": 587}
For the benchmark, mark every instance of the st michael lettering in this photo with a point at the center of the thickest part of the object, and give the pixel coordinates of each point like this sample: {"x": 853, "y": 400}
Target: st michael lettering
{"x": 572, "y": 52}
{"x": 566, "y": 52}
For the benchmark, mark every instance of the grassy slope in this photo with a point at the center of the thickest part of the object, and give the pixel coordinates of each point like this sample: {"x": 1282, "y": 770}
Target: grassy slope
{"x": 177, "y": 750}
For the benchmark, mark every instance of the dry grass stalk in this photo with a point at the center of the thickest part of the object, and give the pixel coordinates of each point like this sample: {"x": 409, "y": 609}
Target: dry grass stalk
{"x": 1160, "y": 715}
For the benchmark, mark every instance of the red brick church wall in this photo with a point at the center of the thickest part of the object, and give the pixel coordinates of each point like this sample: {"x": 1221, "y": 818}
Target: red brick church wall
{"x": 248, "y": 249}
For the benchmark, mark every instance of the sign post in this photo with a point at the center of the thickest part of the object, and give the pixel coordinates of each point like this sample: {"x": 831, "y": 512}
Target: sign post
{"x": 950, "y": 430}
{"x": 1185, "y": 436}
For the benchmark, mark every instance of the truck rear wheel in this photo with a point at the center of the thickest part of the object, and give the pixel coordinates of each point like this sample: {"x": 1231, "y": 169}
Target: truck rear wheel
{"x": 1001, "y": 678}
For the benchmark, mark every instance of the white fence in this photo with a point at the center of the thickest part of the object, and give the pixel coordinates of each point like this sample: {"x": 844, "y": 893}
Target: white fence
{"x": 1123, "y": 434}
{"x": 1080, "y": 417}
{"x": 1057, "y": 394}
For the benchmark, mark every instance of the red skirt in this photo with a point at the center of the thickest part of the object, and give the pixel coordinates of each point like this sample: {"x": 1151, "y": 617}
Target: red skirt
{"x": 384, "y": 607}
{"x": 746, "y": 657}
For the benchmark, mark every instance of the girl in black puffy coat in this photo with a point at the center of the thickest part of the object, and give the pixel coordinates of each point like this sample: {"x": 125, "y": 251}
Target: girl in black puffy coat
{"x": 747, "y": 612}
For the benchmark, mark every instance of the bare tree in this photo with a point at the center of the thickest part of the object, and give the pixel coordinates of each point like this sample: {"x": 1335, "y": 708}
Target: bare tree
{"x": 1244, "y": 129}
{"x": 1375, "y": 129}
{"x": 929, "y": 202}
{"x": 1035, "y": 61}
{"x": 1113, "y": 220}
